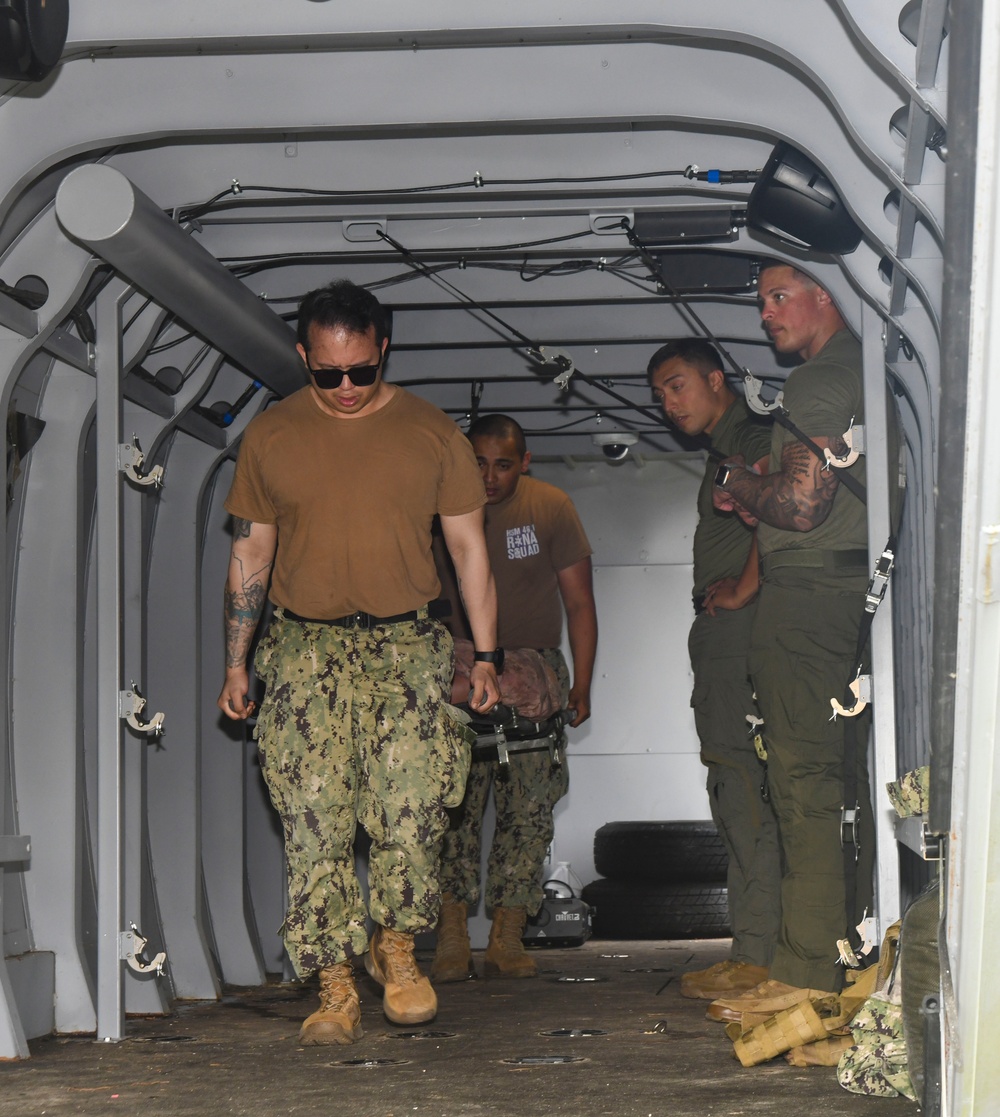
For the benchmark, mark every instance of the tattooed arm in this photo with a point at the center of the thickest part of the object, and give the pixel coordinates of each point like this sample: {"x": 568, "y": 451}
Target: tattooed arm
{"x": 796, "y": 498}
{"x": 250, "y": 563}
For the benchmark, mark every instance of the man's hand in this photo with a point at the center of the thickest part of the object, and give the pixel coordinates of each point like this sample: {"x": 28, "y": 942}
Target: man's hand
{"x": 233, "y": 699}
{"x": 724, "y": 501}
{"x": 485, "y": 686}
{"x": 579, "y": 704}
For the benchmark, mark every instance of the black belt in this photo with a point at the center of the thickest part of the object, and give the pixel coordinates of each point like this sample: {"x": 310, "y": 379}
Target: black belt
{"x": 698, "y": 601}
{"x": 827, "y": 561}
{"x": 357, "y": 620}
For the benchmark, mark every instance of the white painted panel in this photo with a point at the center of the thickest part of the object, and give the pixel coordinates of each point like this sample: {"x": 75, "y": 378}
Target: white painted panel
{"x": 634, "y": 515}
{"x": 642, "y": 686}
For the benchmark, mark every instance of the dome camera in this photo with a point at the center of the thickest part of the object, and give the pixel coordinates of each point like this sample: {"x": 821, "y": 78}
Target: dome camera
{"x": 615, "y": 444}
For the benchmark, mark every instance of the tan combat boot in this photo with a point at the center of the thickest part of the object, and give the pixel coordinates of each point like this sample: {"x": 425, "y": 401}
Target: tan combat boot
{"x": 338, "y": 1019}
{"x": 409, "y": 998}
{"x": 505, "y": 953}
{"x": 453, "y": 954}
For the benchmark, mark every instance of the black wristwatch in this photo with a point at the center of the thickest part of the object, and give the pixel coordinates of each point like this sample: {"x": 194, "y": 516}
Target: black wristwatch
{"x": 722, "y": 475}
{"x": 496, "y": 657}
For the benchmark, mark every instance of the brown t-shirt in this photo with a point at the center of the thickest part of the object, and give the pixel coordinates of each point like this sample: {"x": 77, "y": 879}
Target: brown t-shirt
{"x": 531, "y": 537}
{"x": 353, "y": 501}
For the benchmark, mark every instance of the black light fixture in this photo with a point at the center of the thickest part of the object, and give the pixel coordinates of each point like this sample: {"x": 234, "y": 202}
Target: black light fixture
{"x": 794, "y": 201}
{"x": 32, "y": 37}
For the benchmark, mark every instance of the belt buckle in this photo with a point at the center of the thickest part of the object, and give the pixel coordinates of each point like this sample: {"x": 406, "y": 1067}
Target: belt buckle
{"x": 362, "y": 621}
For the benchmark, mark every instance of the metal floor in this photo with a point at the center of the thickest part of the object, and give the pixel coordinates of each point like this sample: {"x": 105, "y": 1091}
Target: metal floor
{"x": 657, "y": 1055}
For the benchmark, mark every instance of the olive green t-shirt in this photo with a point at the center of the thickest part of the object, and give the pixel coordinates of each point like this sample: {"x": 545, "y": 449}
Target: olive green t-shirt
{"x": 722, "y": 539}
{"x": 824, "y": 397}
{"x": 530, "y": 538}
{"x": 353, "y": 501}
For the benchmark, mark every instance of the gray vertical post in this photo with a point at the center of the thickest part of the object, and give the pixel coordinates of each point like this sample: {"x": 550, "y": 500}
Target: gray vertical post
{"x": 883, "y": 684}
{"x": 110, "y": 1012}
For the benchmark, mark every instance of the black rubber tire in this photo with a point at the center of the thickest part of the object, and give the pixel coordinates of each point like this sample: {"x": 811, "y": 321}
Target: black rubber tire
{"x": 625, "y": 909}
{"x": 660, "y": 852}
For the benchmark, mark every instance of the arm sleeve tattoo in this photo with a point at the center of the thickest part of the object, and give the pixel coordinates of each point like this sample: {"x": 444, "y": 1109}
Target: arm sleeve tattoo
{"x": 243, "y": 604}
{"x": 797, "y": 498}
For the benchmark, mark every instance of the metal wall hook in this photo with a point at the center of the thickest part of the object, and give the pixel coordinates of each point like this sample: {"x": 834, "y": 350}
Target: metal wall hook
{"x": 130, "y": 459}
{"x": 131, "y": 704}
{"x": 132, "y": 943}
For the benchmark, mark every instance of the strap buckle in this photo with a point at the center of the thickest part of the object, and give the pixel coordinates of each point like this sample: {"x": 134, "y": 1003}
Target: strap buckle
{"x": 879, "y": 581}
{"x": 849, "y": 820}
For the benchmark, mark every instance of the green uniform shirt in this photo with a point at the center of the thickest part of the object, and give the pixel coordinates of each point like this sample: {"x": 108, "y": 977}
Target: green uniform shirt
{"x": 721, "y": 539}
{"x": 824, "y": 397}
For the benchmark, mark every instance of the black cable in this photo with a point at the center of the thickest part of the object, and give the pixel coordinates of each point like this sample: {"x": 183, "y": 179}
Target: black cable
{"x": 533, "y": 350}
{"x": 477, "y": 182}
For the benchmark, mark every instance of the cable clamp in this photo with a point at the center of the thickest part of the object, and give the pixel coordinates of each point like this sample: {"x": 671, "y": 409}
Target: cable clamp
{"x": 854, "y": 440}
{"x": 861, "y": 688}
{"x": 131, "y": 704}
{"x": 130, "y": 459}
{"x": 131, "y": 945}
{"x": 562, "y": 360}
{"x": 751, "y": 389}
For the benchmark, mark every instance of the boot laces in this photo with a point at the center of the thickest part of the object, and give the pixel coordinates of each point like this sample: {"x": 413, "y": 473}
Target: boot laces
{"x": 510, "y": 929}
{"x": 397, "y": 954}
{"x": 336, "y": 990}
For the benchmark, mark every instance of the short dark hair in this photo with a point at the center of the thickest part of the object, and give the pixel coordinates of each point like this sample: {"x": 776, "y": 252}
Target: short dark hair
{"x": 344, "y": 305}
{"x": 767, "y": 265}
{"x": 695, "y": 351}
{"x": 499, "y": 426}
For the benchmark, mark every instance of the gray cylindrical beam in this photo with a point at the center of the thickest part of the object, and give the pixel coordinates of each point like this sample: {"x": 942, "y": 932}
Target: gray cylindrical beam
{"x": 101, "y": 209}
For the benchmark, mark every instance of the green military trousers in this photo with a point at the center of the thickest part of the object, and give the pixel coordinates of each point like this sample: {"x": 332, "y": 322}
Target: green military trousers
{"x": 525, "y": 792}
{"x": 802, "y": 654}
{"x": 353, "y": 728}
{"x": 722, "y": 699}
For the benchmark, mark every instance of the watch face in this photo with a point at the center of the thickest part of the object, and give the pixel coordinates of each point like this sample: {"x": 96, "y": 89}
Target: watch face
{"x": 722, "y": 475}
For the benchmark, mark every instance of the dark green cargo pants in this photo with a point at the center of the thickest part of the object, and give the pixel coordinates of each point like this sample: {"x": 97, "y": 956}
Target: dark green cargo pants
{"x": 721, "y": 700}
{"x": 802, "y": 654}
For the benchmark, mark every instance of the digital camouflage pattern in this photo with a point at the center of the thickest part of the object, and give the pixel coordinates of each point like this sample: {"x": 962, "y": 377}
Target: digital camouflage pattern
{"x": 353, "y": 729}
{"x": 877, "y": 1064}
{"x": 911, "y": 793}
{"x": 525, "y": 792}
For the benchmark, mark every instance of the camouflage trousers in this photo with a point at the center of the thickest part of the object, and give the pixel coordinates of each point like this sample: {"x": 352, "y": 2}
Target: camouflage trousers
{"x": 721, "y": 699}
{"x": 353, "y": 728}
{"x": 525, "y": 792}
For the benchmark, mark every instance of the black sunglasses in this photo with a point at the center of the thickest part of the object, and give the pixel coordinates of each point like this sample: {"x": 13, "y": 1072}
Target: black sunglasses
{"x": 361, "y": 376}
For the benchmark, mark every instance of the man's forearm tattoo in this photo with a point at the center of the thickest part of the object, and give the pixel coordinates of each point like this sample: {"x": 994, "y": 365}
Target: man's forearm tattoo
{"x": 241, "y": 528}
{"x": 798, "y": 498}
{"x": 242, "y": 611}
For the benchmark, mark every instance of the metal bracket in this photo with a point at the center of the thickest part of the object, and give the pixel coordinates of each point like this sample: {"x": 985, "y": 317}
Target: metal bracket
{"x": 559, "y": 357}
{"x": 131, "y": 944}
{"x": 854, "y": 440}
{"x": 751, "y": 389}
{"x": 130, "y": 459}
{"x": 868, "y": 931}
{"x": 861, "y": 688}
{"x": 131, "y": 704}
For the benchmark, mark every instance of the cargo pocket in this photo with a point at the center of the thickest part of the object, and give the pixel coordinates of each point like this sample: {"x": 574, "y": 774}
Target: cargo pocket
{"x": 457, "y": 739}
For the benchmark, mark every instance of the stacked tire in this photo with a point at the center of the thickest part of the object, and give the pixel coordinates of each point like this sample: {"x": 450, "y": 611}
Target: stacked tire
{"x": 660, "y": 880}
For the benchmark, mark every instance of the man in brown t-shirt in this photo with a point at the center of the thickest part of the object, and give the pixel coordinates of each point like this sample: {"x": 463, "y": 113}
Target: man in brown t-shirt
{"x": 332, "y": 502}
{"x": 541, "y": 560}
